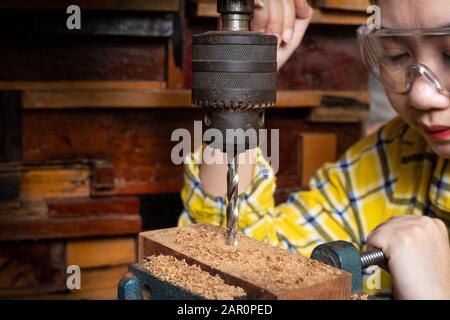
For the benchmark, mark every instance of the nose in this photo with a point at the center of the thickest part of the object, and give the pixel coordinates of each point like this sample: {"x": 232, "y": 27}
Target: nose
{"x": 424, "y": 96}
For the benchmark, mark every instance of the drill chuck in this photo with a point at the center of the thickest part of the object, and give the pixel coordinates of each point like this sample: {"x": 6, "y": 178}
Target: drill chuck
{"x": 234, "y": 71}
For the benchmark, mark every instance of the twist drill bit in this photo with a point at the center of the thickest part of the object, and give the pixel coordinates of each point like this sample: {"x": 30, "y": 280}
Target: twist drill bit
{"x": 232, "y": 197}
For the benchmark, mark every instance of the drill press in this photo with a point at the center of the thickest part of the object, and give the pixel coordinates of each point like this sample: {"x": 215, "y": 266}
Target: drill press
{"x": 234, "y": 80}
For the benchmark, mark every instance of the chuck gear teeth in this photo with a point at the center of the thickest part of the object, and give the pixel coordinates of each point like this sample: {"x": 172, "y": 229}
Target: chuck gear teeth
{"x": 231, "y": 105}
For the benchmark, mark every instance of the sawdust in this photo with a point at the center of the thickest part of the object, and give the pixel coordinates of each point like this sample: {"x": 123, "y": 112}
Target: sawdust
{"x": 252, "y": 260}
{"x": 191, "y": 278}
{"x": 359, "y": 296}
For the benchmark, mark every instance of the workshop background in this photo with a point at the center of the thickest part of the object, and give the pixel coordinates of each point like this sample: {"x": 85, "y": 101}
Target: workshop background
{"x": 86, "y": 118}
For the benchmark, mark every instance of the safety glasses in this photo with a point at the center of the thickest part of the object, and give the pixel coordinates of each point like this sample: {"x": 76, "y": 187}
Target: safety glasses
{"x": 398, "y": 57}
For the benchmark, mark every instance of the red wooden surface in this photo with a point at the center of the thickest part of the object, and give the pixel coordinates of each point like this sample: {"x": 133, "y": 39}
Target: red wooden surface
{"x": 57, "y": 59}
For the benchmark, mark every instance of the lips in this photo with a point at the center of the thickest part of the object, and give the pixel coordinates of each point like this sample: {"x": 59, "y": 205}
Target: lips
{"x": 437, "y": 132}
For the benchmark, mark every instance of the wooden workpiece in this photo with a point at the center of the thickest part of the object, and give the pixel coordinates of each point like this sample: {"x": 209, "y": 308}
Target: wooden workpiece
{"x": 263, "y": 271}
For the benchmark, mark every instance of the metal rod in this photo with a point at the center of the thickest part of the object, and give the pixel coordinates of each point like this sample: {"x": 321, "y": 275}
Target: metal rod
{"x": 235, "y": 22}
{"x": 372, "y": 258}
{"x": 232, "y": 197}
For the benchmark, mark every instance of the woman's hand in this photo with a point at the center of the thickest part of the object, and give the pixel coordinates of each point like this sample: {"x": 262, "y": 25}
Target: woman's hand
{"x": 418, "y": 253}
{"x": 286, "y": 19}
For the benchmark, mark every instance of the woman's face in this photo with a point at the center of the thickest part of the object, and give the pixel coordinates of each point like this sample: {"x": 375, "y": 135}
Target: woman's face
{"x": 423, "y": 107}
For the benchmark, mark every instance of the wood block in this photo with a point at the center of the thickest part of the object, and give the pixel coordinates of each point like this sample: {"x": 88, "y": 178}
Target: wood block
{"x": 10, "y": 127}
{"x": 55, "y": 182}
{"x": 43, "y": 228}
{"x": 337, "y": 17}
{"x": 31, "y": 267}
{"x": 174, "y": 72}
{"x": 102, "y": 175}
{"x": 69, "y": 99}
{"x": 263, "y": 271}
{"x": 9, "y": 180}
{"x": 79, "y": 58}
{"x": 340, "y": 114}
{"x": 86, "y": 207}
{"x": 96, "y": 284}
{"x": 352, "y": 5}
{"x": 101, "y": 252}
{"x": 134, "y": 5}
{"x": 82, "y": 85}
{"x": 317, "y": 149}
{"x": 354, "y": 16}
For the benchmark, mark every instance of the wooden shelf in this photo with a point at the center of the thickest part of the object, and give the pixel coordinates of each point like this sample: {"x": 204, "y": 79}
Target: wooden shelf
{"x": 129, "y": 5}
{"x": 82, "y": 85}
{"x": 339, "y": 12}
{"x": 337, "y": 17}
{"x": 69, "y": 99}
{"x": 349, "y": 5}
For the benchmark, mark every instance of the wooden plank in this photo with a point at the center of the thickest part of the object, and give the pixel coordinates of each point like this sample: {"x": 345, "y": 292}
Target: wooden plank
{"x": 53, "y": 23}
{"x": 76, "y": 58}
{"x": 337, "y": 17}
{"x": 82, "y": 85}
{"x": 260, "y": 269}
{"x": 102, "y": 176}
{"x": 116, "y": 5}
{"x": 86, "y": 207}
{"x": 101, "y": 252}
{"x": 43, "y": 228}
{"x": 96, "y": 284}
{"x": 317, "y": 148}
{"x": 106, "y": 99}
{"x": 31, "y": 267}
{"x": 69, "y": 99}
{"x": 10, "y": 126}
{"x": 10, "y": 144}
{"x": 175, "y": 76}
{"x": 124, "y": 137}
{"x": 54, "y": 182}
{"x": 340, "y": 114}
{"x": 351, "y": 5}
{"x": 9, "y": 181}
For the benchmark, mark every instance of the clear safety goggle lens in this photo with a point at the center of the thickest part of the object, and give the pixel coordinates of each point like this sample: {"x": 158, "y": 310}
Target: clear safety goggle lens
{"x": 398, "y": 59}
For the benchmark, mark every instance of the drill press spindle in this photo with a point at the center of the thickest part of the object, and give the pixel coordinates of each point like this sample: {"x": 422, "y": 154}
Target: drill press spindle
{"x": 234, "y": 80}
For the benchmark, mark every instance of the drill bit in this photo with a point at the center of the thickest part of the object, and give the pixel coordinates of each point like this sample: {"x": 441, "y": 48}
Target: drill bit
{"x": 232, "y": 197}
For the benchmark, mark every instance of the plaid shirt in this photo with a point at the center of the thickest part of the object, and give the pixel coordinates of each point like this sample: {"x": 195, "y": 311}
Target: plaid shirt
{"x": 390, "y": 173}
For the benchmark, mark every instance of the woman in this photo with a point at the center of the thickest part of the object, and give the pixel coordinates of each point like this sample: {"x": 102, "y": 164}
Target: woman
{"x": 390, "y": 191}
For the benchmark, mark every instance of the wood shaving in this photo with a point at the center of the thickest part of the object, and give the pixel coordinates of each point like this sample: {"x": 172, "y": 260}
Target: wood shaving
{"x": 191, "y": 278}
{"x": 359, "y": 296}
{"x": 259, "y": 263}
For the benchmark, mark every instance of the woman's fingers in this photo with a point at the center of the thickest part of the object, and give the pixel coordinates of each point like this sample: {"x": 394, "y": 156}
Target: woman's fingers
{"x": 261, "y": 16}
{"x": 275, "y": 26}
{"x": 302, "y": 9}
{"x": 287, "y": 49}
{"x": 289, "y": 20}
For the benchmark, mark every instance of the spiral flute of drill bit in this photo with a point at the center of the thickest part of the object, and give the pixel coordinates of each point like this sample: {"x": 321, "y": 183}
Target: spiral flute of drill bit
{"x": 232, "y": 197}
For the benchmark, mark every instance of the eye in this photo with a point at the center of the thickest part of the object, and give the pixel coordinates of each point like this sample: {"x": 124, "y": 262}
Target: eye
{"x": 397, "y": 58}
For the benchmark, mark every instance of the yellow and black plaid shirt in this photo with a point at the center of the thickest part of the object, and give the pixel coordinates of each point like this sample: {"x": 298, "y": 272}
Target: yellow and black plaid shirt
{"x": 390, "y": 173}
